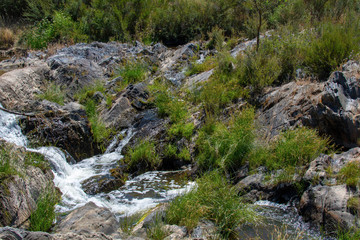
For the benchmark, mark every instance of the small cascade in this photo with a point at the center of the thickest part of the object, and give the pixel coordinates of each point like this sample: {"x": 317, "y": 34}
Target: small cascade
{"x": 138, "y": 194}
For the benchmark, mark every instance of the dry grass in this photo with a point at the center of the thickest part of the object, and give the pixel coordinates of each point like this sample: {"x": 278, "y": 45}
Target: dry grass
{"x": 7, "y": 37}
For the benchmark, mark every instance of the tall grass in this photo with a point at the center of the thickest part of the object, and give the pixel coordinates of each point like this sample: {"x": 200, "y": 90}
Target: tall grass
{"x": 53, "y": 93}
{"x": 8, "y": 162}
{"x": 143, "y": 157}
{"x": 43, "y": 217}
{"x": 226, "y": 146}
{"x": 212, "y": 199}
{"x": 292, "y": 148}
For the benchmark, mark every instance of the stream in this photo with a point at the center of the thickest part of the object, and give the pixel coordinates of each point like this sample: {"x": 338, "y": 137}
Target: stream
{"x": 144, "y": 191}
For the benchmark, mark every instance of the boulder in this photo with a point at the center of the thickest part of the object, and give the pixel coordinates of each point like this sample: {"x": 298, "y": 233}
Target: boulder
{"x": 8, "y": 233}
{"x": 89, "y": 218}
{"x": 332, "y": 107}
{"x": 101, "y": 184}
{"x": 124, "y": 110}
{"x": 20, "y": 191}
{"x": 317, "y": 168}
{"x": 81, "y": 64}
{"x": 18, "y": 88}
{"x": 67, "y": 129}
{"x": 326, "y": 206}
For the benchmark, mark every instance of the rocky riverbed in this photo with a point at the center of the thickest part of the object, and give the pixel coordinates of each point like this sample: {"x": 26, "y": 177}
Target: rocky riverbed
{"x": 92, "y": 180}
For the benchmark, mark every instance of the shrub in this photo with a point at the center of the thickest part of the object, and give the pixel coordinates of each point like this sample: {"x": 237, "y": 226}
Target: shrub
{"x": 226, "y": 147}
{"x": 331, "y": 45}
{"x": 213, "y": 199}
{"x": 43, "y": 217}
{"x": 40, "y": 35}
{"x": 53, "y": 93}
{"x": 350, "y": 174}
{"x": 143, "y": 157}
{"x": 181, "y": 130}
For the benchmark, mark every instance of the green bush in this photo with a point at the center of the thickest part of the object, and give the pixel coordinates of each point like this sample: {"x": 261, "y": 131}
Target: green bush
{"x": 350, "y": 174}
{"x": 143, "y": 157}
{"x": 40, "y": 35}
{"x": 36, "y": 160}
{"x": 53, "y": 93}
{"x": 330, "y": 46}
{"x": 196, "y": 68}
{"x": 212, "y": 199}
{"x": 226, "y": 147}
{"x": 44, "y": 215}
{"x": 181, "y": 130}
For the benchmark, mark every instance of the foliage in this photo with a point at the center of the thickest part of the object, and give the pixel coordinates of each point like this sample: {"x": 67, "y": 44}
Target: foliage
{"x": 128, "y": 222}
{"x": 85, "y": 97}
{"x": 330, "y": 46}
{"x": 156, "y": 230}
{"x": 350, "y": 174}
{"x": 131, "y": 73}
{"x": 143, "y": 157}
{"x": 226, "y": 147}
{"x": 351, "y": 234}
{"x": 212, "y": 199}
{"x": 53, "y": 93}
{"x": 7, "y": 37}
{"x": 293, "y": 148}
{"x": 7, "y": 162}
{"x": 44, "y": 215}
{"x": 196, "y": 68}
{"x": 36, "y": 160}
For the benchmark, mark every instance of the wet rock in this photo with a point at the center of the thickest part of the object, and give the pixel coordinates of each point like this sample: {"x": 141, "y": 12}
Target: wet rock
{"x": 8, "y": 233}
{"x": 19, "y": 192}
{"x": 101, "y": 184}
{"x": 68, "y": 130}
{"x": 89, "y": 218}
{"x": 327, "y": 207}
{"x": 18, "y": 88}
{"x": 258, "y": 186}
{"x": 332, "y": 107}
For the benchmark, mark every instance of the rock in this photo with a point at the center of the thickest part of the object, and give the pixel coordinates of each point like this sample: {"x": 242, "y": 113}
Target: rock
{"x": 258, "y": 186}
{"x": 89, "y": 218}
{"x": 205, "y": 230}
{"x": 193, "y": 81}
{"x": 8, "y": 233}
{"x": 175, "y": 232}
{"x": 125, "y": 108}
{"x": 332, "y": 107}
{"x": 340, "y": 160}
{"x": 19, "y": 192}
{"x": 81, "y": 64}
{"x": 327, "y": 207}
{"x": 101, "y": 184}
{"x": 68, "y": 130}
{"x": 317, "y": 168}
{"x": 82, "y": 236}
{"x": 18, "y": 88}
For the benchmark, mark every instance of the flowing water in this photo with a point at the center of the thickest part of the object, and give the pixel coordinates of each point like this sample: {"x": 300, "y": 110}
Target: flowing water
{"x": 144, "y": 191}
{"x": 138, "y": 194}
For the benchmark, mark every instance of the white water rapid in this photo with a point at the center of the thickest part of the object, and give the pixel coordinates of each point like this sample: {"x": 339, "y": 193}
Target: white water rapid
{"x": 138, "y": 194}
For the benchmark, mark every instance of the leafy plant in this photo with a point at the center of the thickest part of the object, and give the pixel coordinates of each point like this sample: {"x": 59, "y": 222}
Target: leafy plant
{"x": 7, "y": 161}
